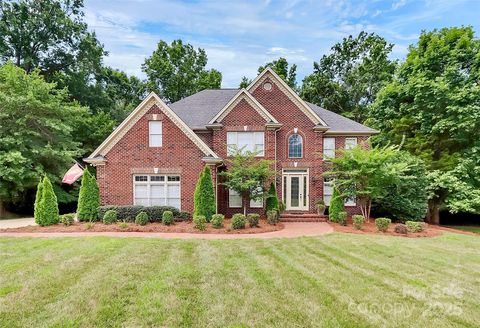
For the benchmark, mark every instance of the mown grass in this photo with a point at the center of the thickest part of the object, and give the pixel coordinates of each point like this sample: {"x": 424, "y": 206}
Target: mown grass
{"x": 338, "y": 280}
{"x": 475, "y": 229}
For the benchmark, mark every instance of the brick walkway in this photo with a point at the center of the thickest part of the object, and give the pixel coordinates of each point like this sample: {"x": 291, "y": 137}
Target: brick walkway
{"x": 291, "y": 230}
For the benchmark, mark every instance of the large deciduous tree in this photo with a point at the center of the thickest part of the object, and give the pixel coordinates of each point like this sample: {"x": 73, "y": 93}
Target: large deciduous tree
{"x": 36, "y": 131}
{"x": 280, "y": 66}
{"x": 433, "y": 105}
{"x": 178, "y": 70}
{"x": 347, "y": 80}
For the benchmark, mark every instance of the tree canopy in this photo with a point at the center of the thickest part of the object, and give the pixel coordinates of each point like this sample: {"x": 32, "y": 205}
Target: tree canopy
{"x": 280, "y": 66}
{"x": 178, "y": 70}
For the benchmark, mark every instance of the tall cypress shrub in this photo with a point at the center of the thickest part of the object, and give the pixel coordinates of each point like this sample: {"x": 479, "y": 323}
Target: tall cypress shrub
{"x": 48, "y": 205}
{"x": 204, "y": 196}
{"x": 272, "y": 199}
{"x": 88, "y": 198}
{"x": 37, "y": 213}
{"x": 336, "y": 206}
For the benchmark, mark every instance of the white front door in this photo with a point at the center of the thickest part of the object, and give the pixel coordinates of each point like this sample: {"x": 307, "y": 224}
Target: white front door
{"x": 296, "y": 191}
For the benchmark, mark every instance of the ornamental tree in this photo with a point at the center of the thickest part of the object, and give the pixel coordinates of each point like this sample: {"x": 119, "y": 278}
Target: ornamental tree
{"x": 247, "y": 175}
{"x": 47, "y": 212}
{"x": 88, "y": 198}
{"x": 204, "y": 196}
{"x": 38, "y": 198}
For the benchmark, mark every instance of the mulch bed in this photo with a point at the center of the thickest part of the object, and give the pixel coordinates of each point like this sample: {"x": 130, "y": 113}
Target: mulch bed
{"x": 183, "y": 226}
{"x": 370, "y": 228}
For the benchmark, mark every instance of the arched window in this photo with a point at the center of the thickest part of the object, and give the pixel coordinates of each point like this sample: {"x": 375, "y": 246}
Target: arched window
{"x": 295, "y": 145}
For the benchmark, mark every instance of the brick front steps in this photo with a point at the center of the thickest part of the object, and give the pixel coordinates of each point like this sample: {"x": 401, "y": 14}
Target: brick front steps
{"x": 302, "y": 217}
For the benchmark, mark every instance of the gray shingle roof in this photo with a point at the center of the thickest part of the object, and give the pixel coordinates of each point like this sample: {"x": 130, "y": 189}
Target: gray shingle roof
{"x": 198, "y": 109}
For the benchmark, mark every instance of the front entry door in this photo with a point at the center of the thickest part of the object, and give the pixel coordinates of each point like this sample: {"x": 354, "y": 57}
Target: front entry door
{"x": 296, "y": 191}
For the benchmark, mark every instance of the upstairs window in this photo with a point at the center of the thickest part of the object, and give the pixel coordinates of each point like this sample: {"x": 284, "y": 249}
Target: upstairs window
{"x": 350, "y": 143}
{"x": 247, "y": 141}
{"x": 328, "y": 148}
{"x": 155, "y": 135}
{"x": 295, "y": 146}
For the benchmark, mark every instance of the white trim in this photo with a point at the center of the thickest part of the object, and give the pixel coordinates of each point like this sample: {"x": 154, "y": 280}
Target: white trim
{"x": 165, "y": 183}
{"x": 236, "y": 194}
{"x": 243, "y": 94}
{"x": 301, "y": 174}
{"x": 292, "y": 95}
{"x": 137, "y": 113}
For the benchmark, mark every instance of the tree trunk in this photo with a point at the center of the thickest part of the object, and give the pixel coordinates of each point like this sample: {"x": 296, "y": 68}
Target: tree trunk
{"x": 3, "y": 211}
{"x": 433, "y": 215}
{"x": 244, "y": 201}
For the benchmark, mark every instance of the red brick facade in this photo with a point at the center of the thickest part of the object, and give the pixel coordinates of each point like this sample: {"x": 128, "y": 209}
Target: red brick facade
{"x": 180, "y": 155}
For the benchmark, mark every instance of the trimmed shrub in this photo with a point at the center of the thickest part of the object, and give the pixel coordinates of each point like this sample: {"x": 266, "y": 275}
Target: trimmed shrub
{"x": 141, "y": 218}
{"x": 253, "y": 219}
{"x": 217, "y": 220}
{"x": 273, "y": 217}
{"x": 183, "y": 216}
{"x": 238, "y": 221}
{"x": 47, "y": 211}
{"x": 200, "y": 222}
{"x": 336, "y": 206}
{"x": 342, "y": 218}
{"x": 358, "y": 221}
{"x": 37, "y": 213}
{"x": 401, "y": 228}
{"x": 414, "y": 226}
{"x": 382, "y": 224}
{"x": 110, "y": 217}
{"x": 88, "y": 198}
{"x": 167, "y": 218}
{"x": 271, "y": 202}
{"x": 67, "y": 219}
{"x": 129, "y": 212}
{"x": 204, "y": 196}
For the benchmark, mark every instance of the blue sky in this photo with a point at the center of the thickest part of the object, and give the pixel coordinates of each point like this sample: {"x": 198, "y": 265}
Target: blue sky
{"x": 239, "y": 36}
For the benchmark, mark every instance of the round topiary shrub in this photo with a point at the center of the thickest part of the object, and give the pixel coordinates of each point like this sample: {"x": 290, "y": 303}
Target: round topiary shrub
{"x": 253, "y": 219}
{"x": 141, "y": 218}
{"x": 67, "y": 219}
{"x": 382, "y": 224}
{"x": 358, "y": 221}
{"x": 272, "y": 217}
{"x": 342, "y": 218}
{"x": 238, "y": 221}
{"x": 217, "y": 220}
{"x": 200, "y": 222}
{"x": 167, "y": 218}
{"x": 401, "y": 228}
{"x": 413, "y": 226}
{"x": 110, "y": 217}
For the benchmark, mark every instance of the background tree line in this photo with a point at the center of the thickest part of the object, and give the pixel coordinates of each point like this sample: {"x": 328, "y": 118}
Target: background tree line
{"x": 58, "y": 100}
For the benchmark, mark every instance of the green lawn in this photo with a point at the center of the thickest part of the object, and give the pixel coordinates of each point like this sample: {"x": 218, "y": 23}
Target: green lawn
{"x": 475, "y": 229}
{"x": 338, "y": 280}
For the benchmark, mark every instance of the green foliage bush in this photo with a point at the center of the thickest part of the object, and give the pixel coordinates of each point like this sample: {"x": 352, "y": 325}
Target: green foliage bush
{"x": 401, "y": 228}
{"x": 238, "y": 221}
{"x": 123, "y": 225}
{"x": 88, "y": 198}
{"x": 47, "y": 210}
{"x": 382, "y": 224}
{"x": 336, "y": 206}
{"x": 141, "y": 218}
{"x": 358, "y": 221}
{"x": 67, "y": 219}
{"x": 413, "y": 226}
{"x": 253, "y": 219}
{"x": 200, "y": 222}
{"x": 281, "y": 206}
{"x": 271, "y": 202}
{"x": 273, "y": 217}
{"x": 167, "y": 218}
{"x": 129, "y": 212}
{"x": 37, "y": 213}
{"x": 204, "y": 196}
{"x": 217, "y": 220}
{"x": 342, "y": 218}
{"x": 110, "y": 217}
{"x": 183, "y": 216}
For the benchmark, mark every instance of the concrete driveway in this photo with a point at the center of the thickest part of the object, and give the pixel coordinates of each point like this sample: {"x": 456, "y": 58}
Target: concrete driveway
{"x": 17, "y": 223}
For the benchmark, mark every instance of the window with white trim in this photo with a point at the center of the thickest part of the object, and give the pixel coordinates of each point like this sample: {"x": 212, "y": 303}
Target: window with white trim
{"x": 350, "y": 143}
{"x": 155, "y": 134}
{"x": 156, "y": 190}
{"x": 328, "y": 148}
{"x": 350, "y": 201}
{"x": 327, "y": 191}
{"x": 234, "y": 199}
{"x": 249, "y": 141}
{"x": 258, "y": 203}
{"x": 295, "y": 146}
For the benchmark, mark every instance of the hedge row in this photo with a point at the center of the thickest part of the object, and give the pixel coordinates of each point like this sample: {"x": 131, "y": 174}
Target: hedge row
{"x": 155, "y": 213}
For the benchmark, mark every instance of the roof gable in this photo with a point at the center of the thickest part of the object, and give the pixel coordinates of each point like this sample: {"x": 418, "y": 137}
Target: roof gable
{"x": 292, "y": 95}
{"x": 243, "y": 95}
{"x": 139, "y": 112}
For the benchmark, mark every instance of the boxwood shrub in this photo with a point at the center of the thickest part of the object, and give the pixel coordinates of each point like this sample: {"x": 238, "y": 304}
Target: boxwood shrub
{"x": 67, "y": 219}
{"x": 200, "y": 222}
{"x": 358, "y": 221}
{"x": 382, "y": 224}
{"x": 253, "y": 219}
{"x": 273, "y": 217}
{"x": 342, "y": 218}
{"x": 167, "y": 218}
{"x": 238, "y": 221}
{"x": 414, "y": 226}
{"x": 141, "y": 218}
{"x": 129, "y": 212}
{"x": 217, "y": 220}
{"x": 110, "y": 217}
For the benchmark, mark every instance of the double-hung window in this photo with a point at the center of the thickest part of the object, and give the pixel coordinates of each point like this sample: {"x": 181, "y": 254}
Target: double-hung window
{"x": 328, "y": 148}
{"x": 350, "y": 143}
{"x": 155, "y": 134}
{"x": 234, "y": 199}
{"x": 156, "y": 190}
{"x": 246, "y": 141}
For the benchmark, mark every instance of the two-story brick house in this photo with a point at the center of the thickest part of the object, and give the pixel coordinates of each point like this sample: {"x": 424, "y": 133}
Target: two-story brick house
{"x": 155, "y": 156}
